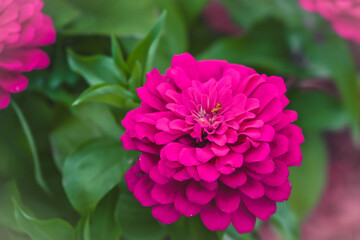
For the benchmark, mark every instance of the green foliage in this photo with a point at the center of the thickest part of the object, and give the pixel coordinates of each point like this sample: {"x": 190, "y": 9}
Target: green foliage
{"x": 63, "y": 136}
{"x": 120, "y": 17}
{"x": 136, "y": 221}
{"x": 308, "y": 180}
{"x": 263, "y": 48}
{"x": 286, "y": 222}
{"x": 54, "y": 229}
{"x": 317, "y": 110}
{"x": 111, "y": 94}
{"x": 190, "y": 228}
{"x": 103, "y": 225}
{"x": 95, "y": 69}
{"x": 92, "y": 170}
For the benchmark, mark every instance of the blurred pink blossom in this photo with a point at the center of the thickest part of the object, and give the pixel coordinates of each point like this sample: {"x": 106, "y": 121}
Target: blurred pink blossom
{"x": 215, "y": 141}
{"x": 344, "y": 15}
{"x": 23, "y": 28}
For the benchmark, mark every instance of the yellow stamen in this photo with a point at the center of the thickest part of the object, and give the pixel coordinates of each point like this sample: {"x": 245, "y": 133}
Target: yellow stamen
{"x": 217, "y": 108}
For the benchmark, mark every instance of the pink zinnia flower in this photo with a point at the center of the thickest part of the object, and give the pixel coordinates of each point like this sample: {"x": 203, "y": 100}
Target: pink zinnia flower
{"x": 23, "y": 28}
{"x": 344, "y": 15}
{"x": 215, "y": 141}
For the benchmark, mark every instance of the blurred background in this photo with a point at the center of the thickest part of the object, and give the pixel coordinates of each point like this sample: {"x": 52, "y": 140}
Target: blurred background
{"x": 89, "y": 87}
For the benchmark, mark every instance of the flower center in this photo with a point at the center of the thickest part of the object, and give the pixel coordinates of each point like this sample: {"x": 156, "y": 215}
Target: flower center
{"x": 208, "y": 120}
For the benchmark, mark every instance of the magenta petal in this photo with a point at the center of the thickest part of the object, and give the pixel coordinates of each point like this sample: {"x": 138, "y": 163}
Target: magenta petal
{"x": 224, "y": 169}
{"x": 184, "y": 206}
{"x": 257, "y": 154}
{"x": 204, "y": 154}
{"x": 172, "y": 151}
{"x": 242, "y": 147}
{"x": 162, "y": 138}
{"x": 165, "y": 170}
{"x": 147, "y": 162}
{"x": 192, "y": 170}
{"x": 187, "y": 157}
{"x": 267, "y": 133}
{"x": 164, "y": 193}
{"x": 279, "y": 176}
{"x": 4, "y": 99}
{"x": 208, "y": 172}
{"x": 272, "y": 110}
{"x": 294, "y": 133}
{"x": 13, "y": 81}
{"x": 198, "y": 194}
{"x": 235, "y": 179}
{"x": 220, "y": 150}
{"x": 214, "y": 219}
{"x": 178, "y": 124}
{"x": 279, "y": 145}
{"x": 211, "y": 69}
{"x": 157, "y": 177}
{"x": 188, "y": 64}
{"x": 280, "y": 193}
{"x": 181, "y": 175}
{"x": 262, "y": 208}
{"x": 232, "y": 159}
{"x": 150, "y": 99}
{"x": 265, "y": 93}
{"x": 209, "y": 185}
{"x": 231, "y": 136}
{"x": 163, "y": 124}
{"x": 243, "y": 220}
{"x": 227, "y": 199}
{"x": 166, "y": 214}
{"x": 293, "y": 157}
{"x": 219, "y": 139}
{"x": 253, "y": 188}
{"x": 142, "y": 192}
{"x": 133, "y": 176}
{"x": 179, "y": 77}
{"x": 264, "y": 167}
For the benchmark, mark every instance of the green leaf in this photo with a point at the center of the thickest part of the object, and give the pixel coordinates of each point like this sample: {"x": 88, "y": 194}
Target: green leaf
{"x": 264, "y": 48}
{"x": 136, "y": 79}
{"x": 286, "y": 222}
{"x": 10, "y": 165}
{"x": 93, "y": 170}
{"x": 91, "y": 121}
{"x": 175, "y": 39}
{"x": 248, "y": 13}
{"x": 118, "y": 55}
{"x": 191, "y": 8}
{"x": 96, "y": 69}
{"x": 57, "y": 8}
{"x": 11, "y": 235}
{"x": 100, "y": 118}
{"x": 190, "y": 229}
{"x": 111, "y": 94}
{"x": 108, "y": 17}
{"x": 135, "y": 220}
{"x": 317, "y": 110}
{"x": 231, "y": 233}
{"x": 103, "y": 225}
{"x": 54, "y": 229}
{"x": 9, "y": 192}
{"x": 37, "y": 168}
{"x": 144, "y": 52}
{"x": 68, "y": 136}
{"x": 326, "y": 55}
{"x": 308, "y": 180}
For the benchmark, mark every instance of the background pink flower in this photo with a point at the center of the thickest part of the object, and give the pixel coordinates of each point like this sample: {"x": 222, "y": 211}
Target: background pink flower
{"x": 23, "y": 28}
{"x": 215, "y": 141}
{"x": 344, "y": 15}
